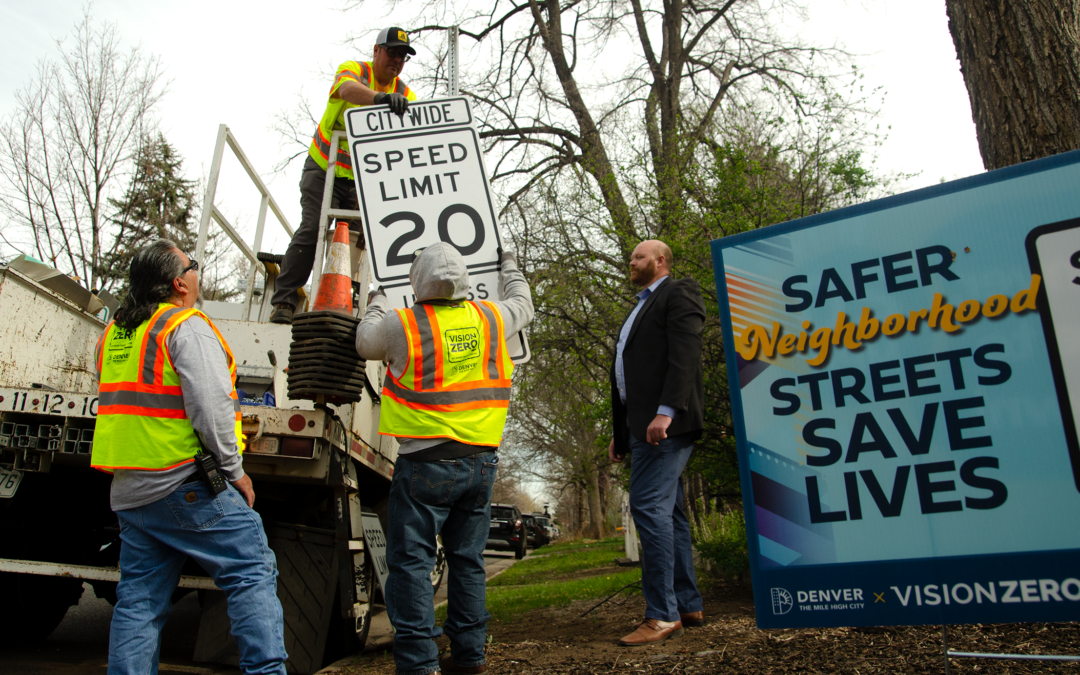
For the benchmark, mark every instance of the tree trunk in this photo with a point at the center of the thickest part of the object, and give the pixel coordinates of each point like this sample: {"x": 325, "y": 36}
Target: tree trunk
{"x": 580, "y": 508}
{"x": 596, "y": 510}
{"x": 692, "y": 490}
{"x": 1021, "y": 64}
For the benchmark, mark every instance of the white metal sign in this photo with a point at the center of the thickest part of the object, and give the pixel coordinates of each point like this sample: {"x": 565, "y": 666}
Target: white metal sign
{"x": 375, "y": 546}
{"x": 421, "y": 179}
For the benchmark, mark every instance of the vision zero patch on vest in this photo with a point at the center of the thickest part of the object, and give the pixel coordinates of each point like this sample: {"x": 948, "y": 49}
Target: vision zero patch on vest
{"x": 462, "y": 344}
{"x": 119, "y": 346}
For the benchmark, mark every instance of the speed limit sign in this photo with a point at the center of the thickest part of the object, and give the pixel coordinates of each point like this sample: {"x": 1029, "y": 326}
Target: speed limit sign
{"x": 421, "y": 180}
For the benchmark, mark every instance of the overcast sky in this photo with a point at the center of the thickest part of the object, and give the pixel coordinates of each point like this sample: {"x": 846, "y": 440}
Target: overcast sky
{"x": 239, "y": 62}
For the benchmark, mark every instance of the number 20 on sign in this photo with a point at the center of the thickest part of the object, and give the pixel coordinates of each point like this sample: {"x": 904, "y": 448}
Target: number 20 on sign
{"x": 421, "y": 187}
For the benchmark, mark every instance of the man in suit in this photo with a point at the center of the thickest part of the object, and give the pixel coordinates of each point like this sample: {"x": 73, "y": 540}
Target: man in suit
{"x": 658, "y": 412}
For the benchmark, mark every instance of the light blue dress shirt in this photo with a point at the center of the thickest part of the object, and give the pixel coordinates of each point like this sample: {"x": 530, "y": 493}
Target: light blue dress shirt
{"x": 620, "y": 373}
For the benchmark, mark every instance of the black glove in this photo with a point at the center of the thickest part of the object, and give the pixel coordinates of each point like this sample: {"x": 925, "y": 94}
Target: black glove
{"x": 397, "y": 102}
{"x": 505, "y": 255}
{"x": 375, "y": 293}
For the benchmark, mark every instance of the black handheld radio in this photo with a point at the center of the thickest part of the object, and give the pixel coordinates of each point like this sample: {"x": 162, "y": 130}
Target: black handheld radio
{"x": 206, "y": 465}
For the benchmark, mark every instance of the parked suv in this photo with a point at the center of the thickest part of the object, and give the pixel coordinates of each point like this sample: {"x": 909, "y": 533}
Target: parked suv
{"x": 507, "y": 531}
{"x": 543, "y": 530}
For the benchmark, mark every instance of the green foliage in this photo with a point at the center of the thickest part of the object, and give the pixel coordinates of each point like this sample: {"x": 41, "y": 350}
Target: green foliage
{"x": 550, "y": 563}
{"x": 720, "y": 537}
{"x": 158, "y": 203}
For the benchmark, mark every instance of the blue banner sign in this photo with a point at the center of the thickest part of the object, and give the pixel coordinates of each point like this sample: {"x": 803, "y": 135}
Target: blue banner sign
{"x": 906, "y": 401}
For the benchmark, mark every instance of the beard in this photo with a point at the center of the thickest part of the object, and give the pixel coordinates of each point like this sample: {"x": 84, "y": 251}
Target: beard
{"x": 643, "y": 276}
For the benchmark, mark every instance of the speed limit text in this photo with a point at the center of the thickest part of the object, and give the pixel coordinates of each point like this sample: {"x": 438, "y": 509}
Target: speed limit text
{"x": 410, "y": 159}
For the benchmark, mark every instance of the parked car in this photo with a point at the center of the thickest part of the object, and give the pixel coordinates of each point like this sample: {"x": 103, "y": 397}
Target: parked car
{"x": 507, "y": 532}
{"x": 532, "y": 530}
{"x": 543, "y": 529}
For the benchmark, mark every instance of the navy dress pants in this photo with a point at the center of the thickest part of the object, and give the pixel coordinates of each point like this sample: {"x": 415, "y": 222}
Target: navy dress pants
{"x": 656, "y": 503}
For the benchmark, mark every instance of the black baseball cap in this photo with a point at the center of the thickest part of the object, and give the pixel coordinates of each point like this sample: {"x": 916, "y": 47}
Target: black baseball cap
{"x": 394, "y": 37}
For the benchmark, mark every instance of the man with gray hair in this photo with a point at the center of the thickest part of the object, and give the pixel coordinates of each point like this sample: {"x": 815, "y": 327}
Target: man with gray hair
{"x": 445, "y": 398}
{"x": 168, "y": 429}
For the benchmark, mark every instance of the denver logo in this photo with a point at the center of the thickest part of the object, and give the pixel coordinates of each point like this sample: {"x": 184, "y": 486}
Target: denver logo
{"x": 462, "y": 344}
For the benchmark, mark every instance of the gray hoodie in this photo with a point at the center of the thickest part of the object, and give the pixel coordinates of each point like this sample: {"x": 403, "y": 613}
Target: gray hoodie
{"x": 438, "y": 274}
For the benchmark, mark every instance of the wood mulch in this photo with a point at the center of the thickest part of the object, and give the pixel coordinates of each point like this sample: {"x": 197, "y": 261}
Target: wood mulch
{"x": 561, "y": 642}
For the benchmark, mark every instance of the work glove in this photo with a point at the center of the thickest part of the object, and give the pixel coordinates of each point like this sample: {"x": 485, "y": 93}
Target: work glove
{"x": 397, "y": 102}
{"x": 506, "y": 255}
{"x": 374, "y": 294}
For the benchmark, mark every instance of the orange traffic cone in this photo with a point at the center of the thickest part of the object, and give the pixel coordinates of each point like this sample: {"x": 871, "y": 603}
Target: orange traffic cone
{"x": 335, "y": 286}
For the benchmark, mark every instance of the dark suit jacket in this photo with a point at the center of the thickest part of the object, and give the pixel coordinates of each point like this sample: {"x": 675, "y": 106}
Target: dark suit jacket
{"x": 662, "y": 363}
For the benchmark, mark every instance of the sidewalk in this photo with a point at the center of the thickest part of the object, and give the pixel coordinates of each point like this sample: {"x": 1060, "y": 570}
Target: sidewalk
{"x": 381, "y": 635}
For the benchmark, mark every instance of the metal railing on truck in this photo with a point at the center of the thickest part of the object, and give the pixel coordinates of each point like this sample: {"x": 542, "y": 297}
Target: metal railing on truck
{"x": 211, "y": 211}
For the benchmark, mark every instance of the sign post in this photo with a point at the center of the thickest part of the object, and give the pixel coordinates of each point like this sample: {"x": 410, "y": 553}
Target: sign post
{"x": 420, "y": 180}
{"x": 905, "y": 393}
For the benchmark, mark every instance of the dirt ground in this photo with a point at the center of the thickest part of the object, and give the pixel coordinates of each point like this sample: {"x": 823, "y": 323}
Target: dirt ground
{"x": 561, "y": 641}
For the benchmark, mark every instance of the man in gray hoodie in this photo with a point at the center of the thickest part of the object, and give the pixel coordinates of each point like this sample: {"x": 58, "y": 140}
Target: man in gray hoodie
{"x": 445, "y": 398}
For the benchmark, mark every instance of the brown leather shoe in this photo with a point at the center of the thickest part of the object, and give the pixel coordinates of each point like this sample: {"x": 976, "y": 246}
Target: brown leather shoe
{"x": 448, "y": 667}
{"x": 652, "y": 631}
{"x": 692, "y": 619}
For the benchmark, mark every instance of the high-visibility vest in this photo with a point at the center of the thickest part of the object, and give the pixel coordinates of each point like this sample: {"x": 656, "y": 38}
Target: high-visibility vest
{"x": 334, "y": 115}
{"x": 456, "y": 384}
{"x": 141, "y": 422}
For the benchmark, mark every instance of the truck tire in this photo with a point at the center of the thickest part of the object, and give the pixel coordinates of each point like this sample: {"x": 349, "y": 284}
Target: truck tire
{"x": 307, "y": 588}
{"x": 34, "y": 606}
{"x": 520, "y": 552}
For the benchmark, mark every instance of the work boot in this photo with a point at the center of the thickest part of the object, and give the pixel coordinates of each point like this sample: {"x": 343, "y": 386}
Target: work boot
{"x": 692, "y": 619}
{"x": 282, "y": 314}
{"x": 652, "y": 631}
{"x": 448, "y": 667}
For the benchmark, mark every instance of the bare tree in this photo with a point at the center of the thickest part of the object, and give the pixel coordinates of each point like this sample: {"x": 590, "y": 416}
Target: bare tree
{"x": 609, "y": 123}
{"x": 69, "y": 143}
{"x": 1021, "y": 65}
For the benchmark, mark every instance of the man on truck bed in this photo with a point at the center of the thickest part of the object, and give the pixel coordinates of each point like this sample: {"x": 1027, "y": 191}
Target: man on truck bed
{"x": 355, "y": 85}
{"x": 167, "y": 397}
{"x": 445, "y": 398}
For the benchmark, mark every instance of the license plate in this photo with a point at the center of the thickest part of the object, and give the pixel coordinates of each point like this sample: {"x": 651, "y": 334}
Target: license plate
{"x": 9, "y": 482}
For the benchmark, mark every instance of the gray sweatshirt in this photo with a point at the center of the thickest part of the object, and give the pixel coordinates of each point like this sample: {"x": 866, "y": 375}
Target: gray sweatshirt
{"x": 201, "y": 363}
{"x": 439, "y": 273}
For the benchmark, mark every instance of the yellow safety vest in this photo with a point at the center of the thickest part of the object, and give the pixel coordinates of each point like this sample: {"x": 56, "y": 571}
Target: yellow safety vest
{"x": 334, "y": 115}
{"x": 456, "y": 384}
{"x": 141, "y": 421}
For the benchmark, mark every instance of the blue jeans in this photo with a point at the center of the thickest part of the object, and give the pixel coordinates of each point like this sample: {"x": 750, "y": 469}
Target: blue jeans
{"x": 656, "y": 503}
{"x": 452, "y": 496}
{"x": 226, "y": 538}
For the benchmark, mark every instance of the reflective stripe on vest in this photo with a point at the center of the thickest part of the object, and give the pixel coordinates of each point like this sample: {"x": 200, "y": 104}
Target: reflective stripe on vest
{"x": 334, "y": 115}
{"x": 142, "y": 423}
{"x": 456, "y": 383}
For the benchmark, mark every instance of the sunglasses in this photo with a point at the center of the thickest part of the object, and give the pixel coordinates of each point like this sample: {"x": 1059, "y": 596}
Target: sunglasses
{"x": 398, "y": 54}
{"x": 194, "y": 265}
